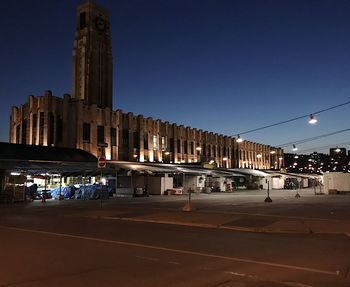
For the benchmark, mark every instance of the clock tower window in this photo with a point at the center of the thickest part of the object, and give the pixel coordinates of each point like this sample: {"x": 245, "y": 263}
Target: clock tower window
{"x": 82, "y": 20}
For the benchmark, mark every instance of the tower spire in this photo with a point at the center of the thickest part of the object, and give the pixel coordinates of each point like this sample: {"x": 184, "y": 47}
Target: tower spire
{"x": 92, "y": 56}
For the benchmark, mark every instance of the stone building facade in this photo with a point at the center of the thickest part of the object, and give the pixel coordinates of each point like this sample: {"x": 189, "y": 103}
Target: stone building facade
{"x": 87, "y": 121}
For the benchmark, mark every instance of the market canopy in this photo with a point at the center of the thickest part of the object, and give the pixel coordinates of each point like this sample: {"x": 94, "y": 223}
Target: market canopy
{"x": 42, "y": 158}
{"x": 35, "y": 159}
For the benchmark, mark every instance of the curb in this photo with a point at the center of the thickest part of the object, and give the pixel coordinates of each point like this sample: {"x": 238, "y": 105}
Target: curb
{"x": 191, "y": 224}
{"x": 223, "y": 226}
{"x": 220, "y": 226}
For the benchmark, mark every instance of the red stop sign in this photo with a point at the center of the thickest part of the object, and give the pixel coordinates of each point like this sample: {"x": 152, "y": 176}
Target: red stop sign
{"x": 101, "y": 162}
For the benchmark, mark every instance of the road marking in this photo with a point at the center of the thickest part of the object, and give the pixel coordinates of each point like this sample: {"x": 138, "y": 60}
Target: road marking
{"x": 274, "y": 215}
{"x": 295, "y": 284}
{"x": 292, "y": 284}
{"x": 173, "y": 250}
{"x": 236, "y": 274}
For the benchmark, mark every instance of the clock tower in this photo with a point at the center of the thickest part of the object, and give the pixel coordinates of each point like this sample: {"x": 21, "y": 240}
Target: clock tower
{"x": 92, "y": 57}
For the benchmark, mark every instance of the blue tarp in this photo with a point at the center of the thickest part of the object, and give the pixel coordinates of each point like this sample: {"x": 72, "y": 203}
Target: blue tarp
{"x": 67, "y": 192}
{"x": 93, "y": 191}
{"x": 90, "y": 191}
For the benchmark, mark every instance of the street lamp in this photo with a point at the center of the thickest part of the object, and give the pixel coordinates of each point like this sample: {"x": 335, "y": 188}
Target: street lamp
{"x": 239, "y": 139}
{"x": 312, "y": 119}
{"x": 294, "y": 148}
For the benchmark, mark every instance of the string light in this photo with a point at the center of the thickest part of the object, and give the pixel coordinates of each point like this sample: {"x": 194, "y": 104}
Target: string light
{"x": 294, "y": 119}
{"x": 314, "y": 149}
{"x": 312, "y": 120}
{"x": 313, "y": 138}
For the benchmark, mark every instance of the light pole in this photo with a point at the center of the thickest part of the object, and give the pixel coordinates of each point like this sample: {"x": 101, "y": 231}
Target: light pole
{"x": 101, "y": 164}
{"x": 268, "y": 198}
{"x": 297, "y": 195}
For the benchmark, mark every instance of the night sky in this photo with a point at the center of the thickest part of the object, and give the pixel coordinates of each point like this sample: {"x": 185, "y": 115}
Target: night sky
{"x": 225, "y": 66}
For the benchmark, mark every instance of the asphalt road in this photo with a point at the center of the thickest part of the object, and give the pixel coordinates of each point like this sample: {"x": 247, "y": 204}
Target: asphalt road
{"x": 57, "y": 244}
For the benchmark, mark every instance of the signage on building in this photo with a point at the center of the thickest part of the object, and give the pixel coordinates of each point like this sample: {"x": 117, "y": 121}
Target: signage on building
{"x": 101, "y": 163}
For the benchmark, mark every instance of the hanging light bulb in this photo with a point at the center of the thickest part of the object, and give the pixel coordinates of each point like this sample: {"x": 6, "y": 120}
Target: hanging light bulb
{"x": 294, "y": 148}
{"x": 312, "y": 119}
{"x": 239, "y": 139}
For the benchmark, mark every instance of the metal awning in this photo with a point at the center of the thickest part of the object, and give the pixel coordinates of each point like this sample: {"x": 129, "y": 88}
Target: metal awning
{"x": 140, "y": 167}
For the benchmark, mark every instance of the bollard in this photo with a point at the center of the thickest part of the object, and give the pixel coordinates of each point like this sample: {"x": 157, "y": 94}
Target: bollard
{"x": 43, "y": 196}
{"x": 188, "y": 206}
{"x": 268, "y": 198}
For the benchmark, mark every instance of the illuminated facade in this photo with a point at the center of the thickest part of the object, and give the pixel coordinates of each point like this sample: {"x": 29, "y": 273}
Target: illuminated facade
{"x": 87, "y": 121}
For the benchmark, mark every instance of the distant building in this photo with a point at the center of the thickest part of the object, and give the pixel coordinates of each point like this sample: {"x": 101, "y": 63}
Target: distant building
{"x": 336, "y": 161}
{"x": 86, "y": 119}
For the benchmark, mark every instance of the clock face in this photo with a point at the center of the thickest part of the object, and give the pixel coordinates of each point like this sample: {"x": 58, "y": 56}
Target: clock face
{"x": 100, "y": 23}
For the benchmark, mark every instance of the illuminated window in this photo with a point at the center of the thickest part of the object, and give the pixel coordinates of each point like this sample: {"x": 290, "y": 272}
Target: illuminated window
{"x": 86, "y": 132}
{"x": 125, "y": 137}
{"x": 113, "y": 136}
{"x": 18, "y": 133}
{"x": 34, "y": 128}
{"x": 82, "y": 20}
{"x": 136, "y": 140}
{"x": 172, "y": 145}
{"x": 100, "y": 134}
{"x": 51, "y": 136}
{"x": 24, "y": 131}
{"x": 145, "y": 141}
{"x": 155, "y": 142}
{"x": 164, "y": 145}
{"x": 41, "y": 128}
{"x": 59, "y": 129}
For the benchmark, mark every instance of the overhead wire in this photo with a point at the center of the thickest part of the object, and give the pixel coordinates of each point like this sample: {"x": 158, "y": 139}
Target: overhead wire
{"x": 315, "y": 149}
{"x": 312, "y": 138}
{"x": 293, "y": 119}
